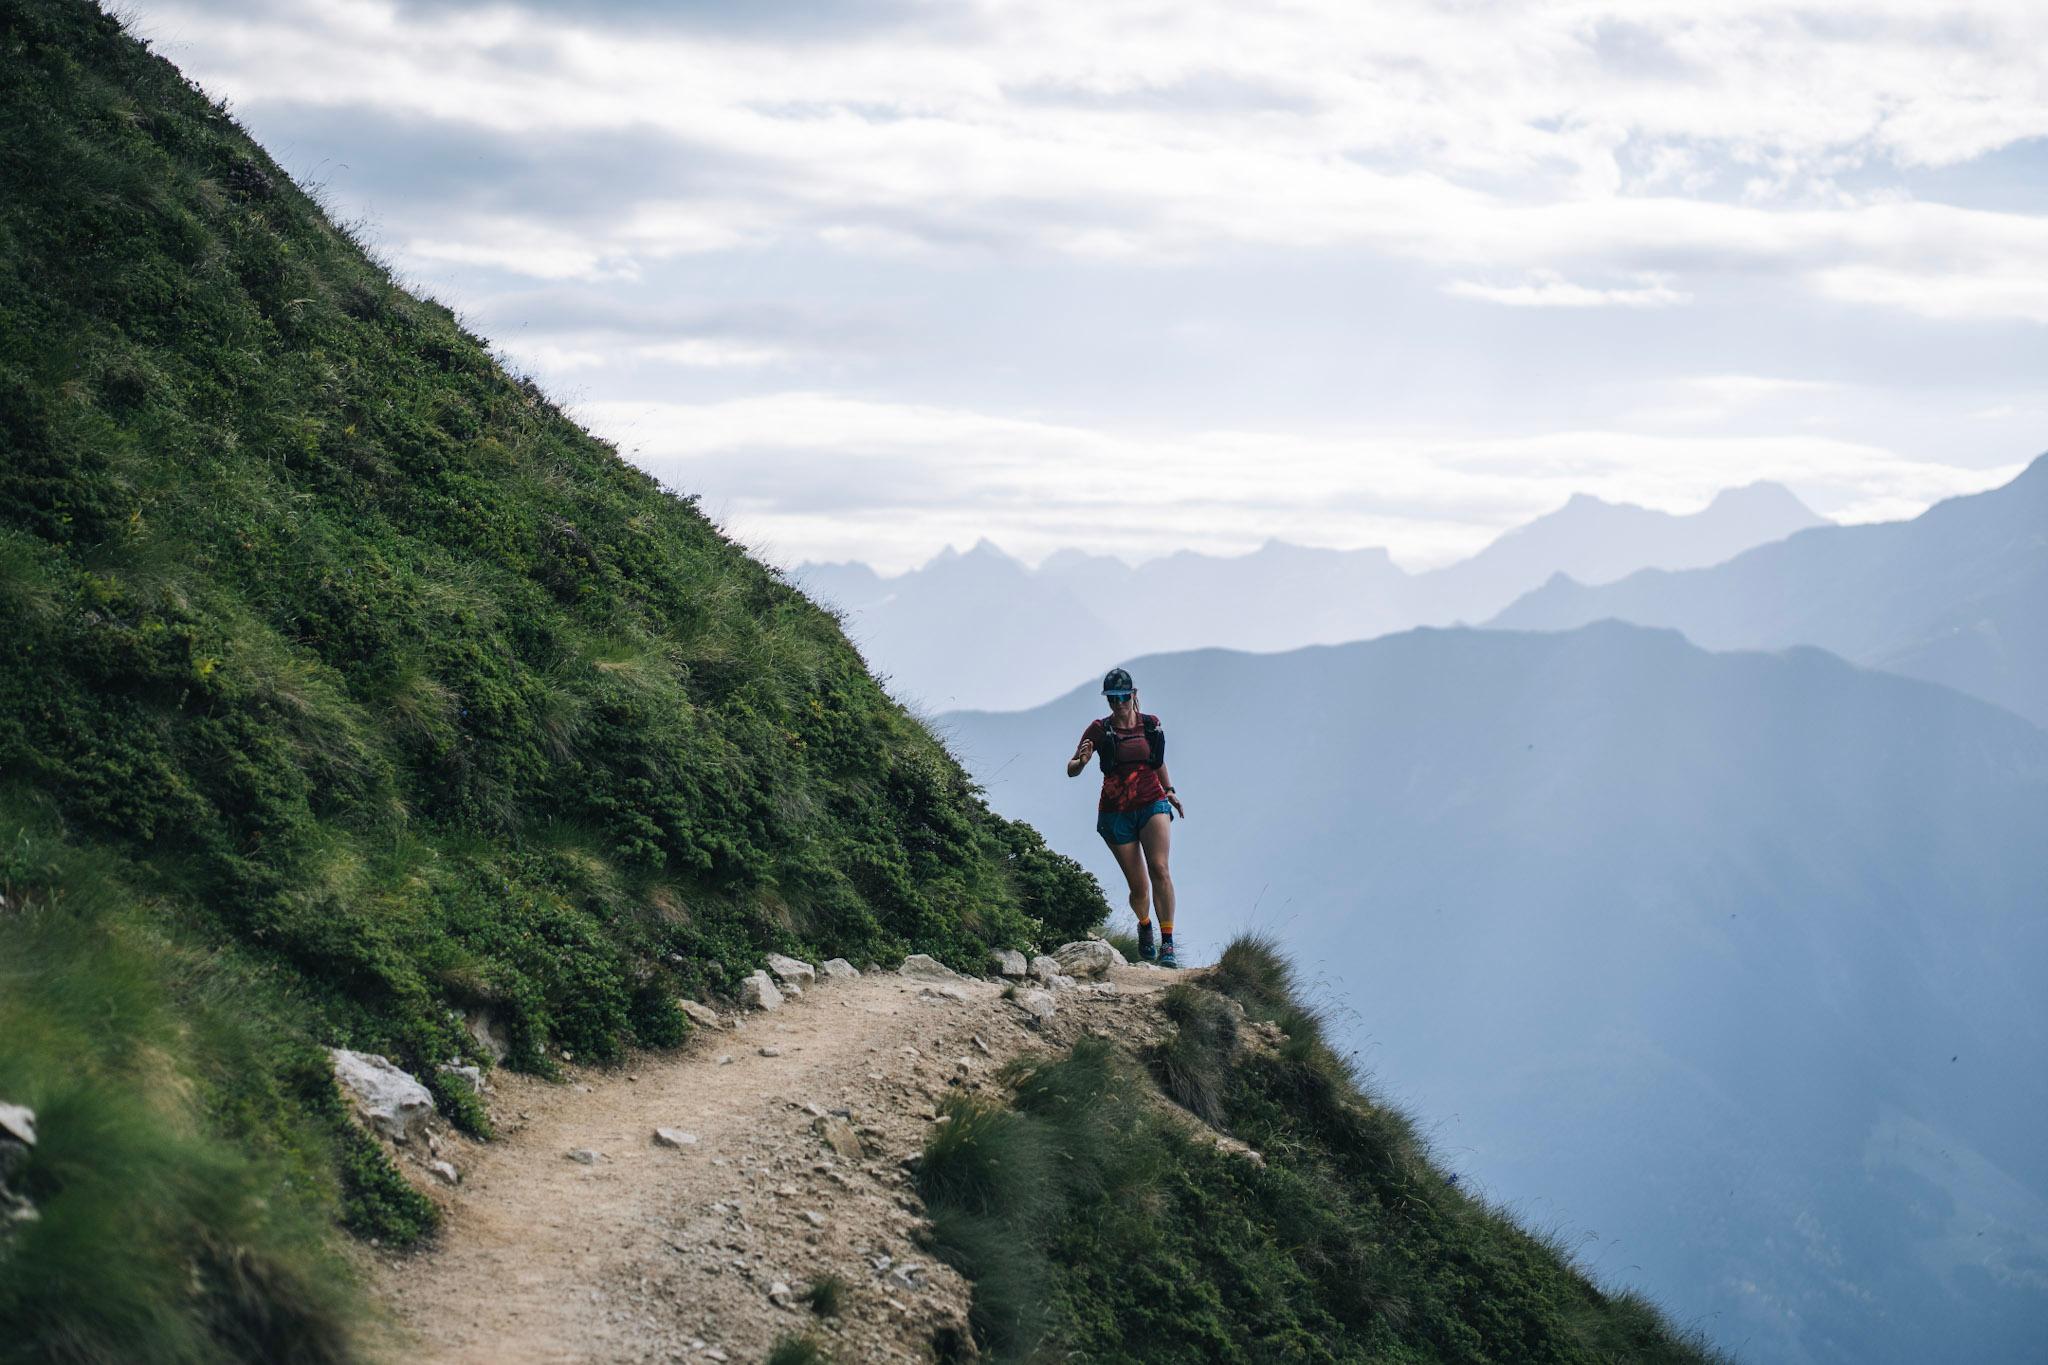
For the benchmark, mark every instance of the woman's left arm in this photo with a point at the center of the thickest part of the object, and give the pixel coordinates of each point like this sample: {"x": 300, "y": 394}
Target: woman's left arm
{"x": 1171, "y": 795}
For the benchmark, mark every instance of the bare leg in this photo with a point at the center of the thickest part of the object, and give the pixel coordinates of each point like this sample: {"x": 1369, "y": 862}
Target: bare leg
{"x": 1131, "y": 858}
{"x": 1155, "y": 837}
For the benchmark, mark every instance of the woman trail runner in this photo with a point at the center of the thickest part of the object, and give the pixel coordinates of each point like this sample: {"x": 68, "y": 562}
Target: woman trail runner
{"x": 1131, "y": 748}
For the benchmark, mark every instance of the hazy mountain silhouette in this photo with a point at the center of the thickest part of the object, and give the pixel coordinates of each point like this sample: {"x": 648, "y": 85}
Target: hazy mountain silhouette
{"x": 981, "y": 629}
{"x": 1734, "y": 960}
{"x": 1958, "y": 595}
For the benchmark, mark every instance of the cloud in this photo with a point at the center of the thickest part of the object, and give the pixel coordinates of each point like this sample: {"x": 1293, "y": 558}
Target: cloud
{"x": 825, "y": 475}
{"x": 1601, "y": 140}
{"x": 1548, "y": 289}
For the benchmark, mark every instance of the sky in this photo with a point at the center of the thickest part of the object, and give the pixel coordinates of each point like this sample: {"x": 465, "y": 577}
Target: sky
{"x": 872, "y": 277}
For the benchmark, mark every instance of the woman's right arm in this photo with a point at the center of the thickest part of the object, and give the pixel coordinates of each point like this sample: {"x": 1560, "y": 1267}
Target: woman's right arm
{"x": 1082, "y": 753}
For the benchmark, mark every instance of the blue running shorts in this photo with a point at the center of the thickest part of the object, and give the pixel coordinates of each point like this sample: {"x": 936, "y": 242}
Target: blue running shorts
{"x": 1122, "y": 826}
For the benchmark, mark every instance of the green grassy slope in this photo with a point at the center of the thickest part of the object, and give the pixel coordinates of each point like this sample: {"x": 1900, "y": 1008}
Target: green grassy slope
{"x": 346, "y": 686}
{"x": 1095, "y": 1228}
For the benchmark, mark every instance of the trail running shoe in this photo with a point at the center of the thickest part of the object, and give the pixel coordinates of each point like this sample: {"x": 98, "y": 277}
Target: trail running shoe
{"x": 1166, "y": 957}
{"x": 1146, "y": 951}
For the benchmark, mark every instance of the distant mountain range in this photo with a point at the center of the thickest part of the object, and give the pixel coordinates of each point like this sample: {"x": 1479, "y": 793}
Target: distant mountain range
{"x": 1734, "y": 960}
{"x": 981, "y": 629}
{"x": 1958, "y": 595}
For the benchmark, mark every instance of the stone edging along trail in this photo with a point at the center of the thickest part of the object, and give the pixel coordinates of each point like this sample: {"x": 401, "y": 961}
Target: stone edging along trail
{"x": 579, "y": 1235}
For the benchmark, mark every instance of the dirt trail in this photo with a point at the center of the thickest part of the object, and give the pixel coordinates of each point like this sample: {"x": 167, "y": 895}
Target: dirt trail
{"x": 670, "y": 1254}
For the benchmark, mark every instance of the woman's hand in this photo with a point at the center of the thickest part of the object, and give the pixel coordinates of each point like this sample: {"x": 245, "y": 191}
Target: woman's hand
{"x": 1082, "y": 752}
{"x": 1178, "y": 809}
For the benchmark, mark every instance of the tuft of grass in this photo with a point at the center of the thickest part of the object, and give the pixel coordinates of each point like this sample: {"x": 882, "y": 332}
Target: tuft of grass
{"x": 160, "y": 1233}
{"x": 1193, "y": 1065}
{"x": 794, "y": 1349}
{"x": 1126, "y": 944}
{"x": 827, "y": 1295}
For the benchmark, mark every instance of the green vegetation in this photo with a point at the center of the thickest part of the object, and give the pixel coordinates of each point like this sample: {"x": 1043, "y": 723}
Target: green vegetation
{"x": 1093, "y": 1222}
{"x": 797, "y": 1350}
{"x": 827, "y": 1295}
{"x": 372, "y": 693}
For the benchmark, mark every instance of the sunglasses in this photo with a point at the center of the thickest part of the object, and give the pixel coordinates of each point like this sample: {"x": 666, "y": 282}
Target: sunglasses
{"x": 1117, "y": 696}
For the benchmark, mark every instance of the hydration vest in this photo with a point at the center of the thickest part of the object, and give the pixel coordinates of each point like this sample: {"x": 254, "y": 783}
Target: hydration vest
{"x": 1105, "y": 753}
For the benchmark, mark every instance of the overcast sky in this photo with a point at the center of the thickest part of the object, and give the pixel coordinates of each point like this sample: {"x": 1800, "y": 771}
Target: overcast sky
{"x": 876, "y": 276}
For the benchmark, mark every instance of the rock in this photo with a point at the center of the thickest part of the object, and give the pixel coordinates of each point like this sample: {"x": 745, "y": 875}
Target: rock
{"x": 390, "y": 1100}
{"x": 758, "y": 992}
{"x": 791, "y": 971}
{"x": 488, "y": 1034}
{"x": 18, "y": 1123}
{"x": 1038, "y": 1005}
{"x": 778, "y": 1294}
{"x": 703, "y": 1016}
{"x": 1009, "y": 962}
{"x": 471, "y": 1076}
{"x": 770, "y": 1051}
{"x": 919, "y": 964}
{"x": 449, "y": 1175}
{"x": 953, "y": 993}
{"x": 17, "y": 1135}
{"x": 838, "y": 967}
{"x": 840, "y": 1137}
{"x": 1089, "y": 957}
{"x": 814, "y": 1218}
{"x": 725, "y": 1059}
{"x": 674, "y": 1137}
{"x": 1044, "y": 968}
{"x": 583, "y": 1156}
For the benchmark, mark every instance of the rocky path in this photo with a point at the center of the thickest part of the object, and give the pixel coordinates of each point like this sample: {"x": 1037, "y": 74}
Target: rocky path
{"x": 580, "y": 1236}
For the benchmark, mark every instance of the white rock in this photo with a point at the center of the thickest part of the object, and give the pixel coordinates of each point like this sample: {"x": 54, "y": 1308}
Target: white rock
{"x": 953, "y": 993}
{"x": 448, "y": 1173}
{"x": 471, "y": 1076}
{"x": 778, "y": 1294}
{"x": 770, "y": 1051}
{"x": 703, "y": 1016}
{"x": 814, "y": 1218}
{"x": 390, "y": 1100}
{"x": 1061, "y": 983}
{"x": 758, "y": 992}
{"x": 919, "y": 964}
{"x": 725, "y": 1059}
{"x": 838, "y": 967}
{"x": 1009, "y": 962}
{"x": 583, "y": 1156}
{"x": 1038, "y": 1004}
{"x": 18, "y": 1121}
{"x": 1088, "y": 957}
{"x": 674, "y": 1137}
{"x": 489, "y": 1034}
{"x": 791, "y": 971}
{"x": 1044, "y": 968}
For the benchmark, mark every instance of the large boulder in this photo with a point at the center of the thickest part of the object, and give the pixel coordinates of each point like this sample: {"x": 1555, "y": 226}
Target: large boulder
{"x": 1089, "y": 957}
{"x": 390, "y": 1100}
{"x": 1009, "y": 962}
{"x": 838, "y": 968}
{"x": 929, "y": 968}
{"x": 790, "y": 971}
{"x": 1044, "y": 969}
{"x": 758, "y": 992}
